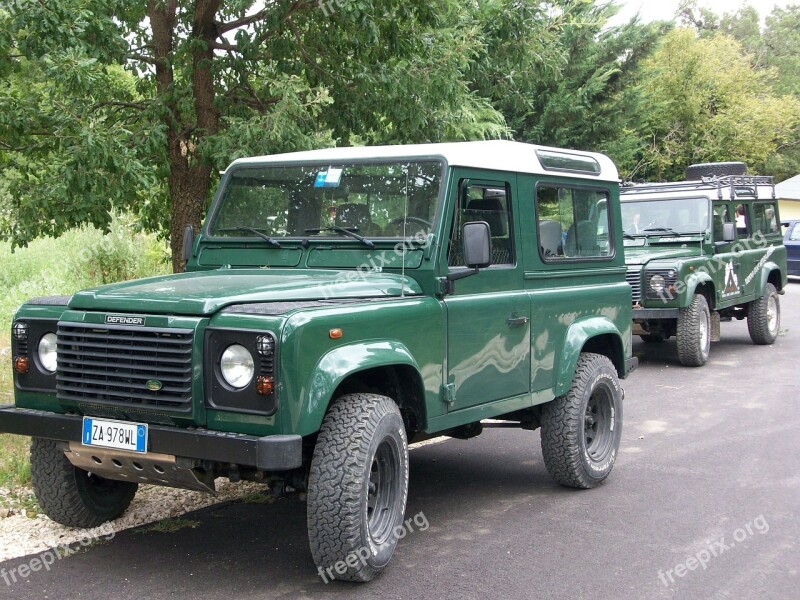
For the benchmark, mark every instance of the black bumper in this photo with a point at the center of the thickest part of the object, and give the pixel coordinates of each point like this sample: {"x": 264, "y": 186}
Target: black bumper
{"x": 650, "y": 314}
{"x": 268, "y": 453}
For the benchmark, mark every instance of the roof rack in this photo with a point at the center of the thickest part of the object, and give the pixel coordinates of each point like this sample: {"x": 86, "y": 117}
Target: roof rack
{"x": 731, "y": 183}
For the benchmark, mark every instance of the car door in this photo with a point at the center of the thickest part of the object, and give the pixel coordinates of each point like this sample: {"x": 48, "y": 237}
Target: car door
{"x": 792, "y": 242}
{"x": 727, "y": 263}
{"x": 488, "y": 314}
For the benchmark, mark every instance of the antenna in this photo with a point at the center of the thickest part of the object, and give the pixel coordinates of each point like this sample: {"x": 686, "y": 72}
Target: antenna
{"x": 405, "y": 246}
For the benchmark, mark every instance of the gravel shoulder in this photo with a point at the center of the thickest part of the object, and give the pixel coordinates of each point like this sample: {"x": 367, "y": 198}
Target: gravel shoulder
{"x": 21, "y": 535}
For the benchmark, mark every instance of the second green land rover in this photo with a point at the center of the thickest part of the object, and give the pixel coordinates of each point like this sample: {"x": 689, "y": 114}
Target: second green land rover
{"x": 704, "y": 250}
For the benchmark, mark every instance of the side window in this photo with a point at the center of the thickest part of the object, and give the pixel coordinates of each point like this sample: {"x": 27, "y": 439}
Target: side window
{"x": 484, "y": 201}
{"x": 795, "y": 235}
{"x": 742, "y": 221}
{"x": 721, "y": 215}
{"x": 572, "y": 223}
{"x": 764, "y": 219}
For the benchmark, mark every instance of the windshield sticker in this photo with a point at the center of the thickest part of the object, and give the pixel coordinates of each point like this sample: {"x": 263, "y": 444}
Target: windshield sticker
{"x": 328, "y": 179}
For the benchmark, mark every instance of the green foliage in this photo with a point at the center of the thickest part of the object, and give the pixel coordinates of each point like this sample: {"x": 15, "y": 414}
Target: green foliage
{"x": 81, "y": 258}
{"x": 776, "y": 49}
{"x": 706, "y": 102}
{"x": 15, "y": 467}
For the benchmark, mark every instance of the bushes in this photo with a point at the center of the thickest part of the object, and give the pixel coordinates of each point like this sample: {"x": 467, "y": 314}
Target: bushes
{"x": 81, "y": 258}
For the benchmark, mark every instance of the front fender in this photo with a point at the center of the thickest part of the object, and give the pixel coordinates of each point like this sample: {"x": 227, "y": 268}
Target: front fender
{"x": 693, "y": 281}
{"x": 578, "y": 334}
{"x": 338, "y": 364}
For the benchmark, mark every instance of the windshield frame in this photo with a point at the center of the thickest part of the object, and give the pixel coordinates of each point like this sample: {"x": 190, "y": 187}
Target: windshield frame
{"x": 217, "y": 201}
{"x": 665, "y": 232}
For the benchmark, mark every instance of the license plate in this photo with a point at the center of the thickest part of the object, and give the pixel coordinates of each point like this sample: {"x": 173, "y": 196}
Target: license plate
{"x": 115, "y": 434}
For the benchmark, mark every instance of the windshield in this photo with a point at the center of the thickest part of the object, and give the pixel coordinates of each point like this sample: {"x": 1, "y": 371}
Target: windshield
{"x": 671, "y": 216}
{"x": 388, "y": 200}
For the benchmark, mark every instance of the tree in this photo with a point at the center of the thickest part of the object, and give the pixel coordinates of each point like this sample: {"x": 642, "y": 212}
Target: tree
{"x": 706, "y": 102}
{"x": 565, "y": 85}
{"x": 208, "y": 81}
{"x": 775, "y": 48}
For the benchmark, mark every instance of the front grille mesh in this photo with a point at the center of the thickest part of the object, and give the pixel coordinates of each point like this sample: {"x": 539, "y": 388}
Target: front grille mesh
{"x": 111, "y": 366}
{"x": 634, "y": 278}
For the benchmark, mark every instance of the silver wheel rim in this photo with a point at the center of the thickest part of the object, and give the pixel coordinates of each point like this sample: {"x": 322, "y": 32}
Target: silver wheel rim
{"x": 704, "y": 335}
{"x": 772, "y": 314}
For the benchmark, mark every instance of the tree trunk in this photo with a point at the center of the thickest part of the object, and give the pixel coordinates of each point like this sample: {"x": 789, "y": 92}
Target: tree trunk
{"x": 189, "y": 175}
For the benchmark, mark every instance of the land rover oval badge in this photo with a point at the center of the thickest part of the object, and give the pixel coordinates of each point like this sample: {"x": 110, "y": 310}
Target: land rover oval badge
{"x": 154, "y": 385}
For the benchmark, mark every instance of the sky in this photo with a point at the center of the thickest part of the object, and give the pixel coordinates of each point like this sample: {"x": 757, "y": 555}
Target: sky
{"x": 651, "y": 10}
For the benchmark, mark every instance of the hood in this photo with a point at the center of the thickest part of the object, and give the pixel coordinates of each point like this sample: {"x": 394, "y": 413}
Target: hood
{"x": 206, "y": 292}
{"x": 641, "y": 255}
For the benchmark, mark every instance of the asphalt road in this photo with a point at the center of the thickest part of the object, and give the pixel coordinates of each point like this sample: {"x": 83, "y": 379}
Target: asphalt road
{"x": 703, "y": 503}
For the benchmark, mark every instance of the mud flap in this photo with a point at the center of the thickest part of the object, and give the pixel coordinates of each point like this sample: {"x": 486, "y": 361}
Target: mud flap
{"x": 715, "y": 331}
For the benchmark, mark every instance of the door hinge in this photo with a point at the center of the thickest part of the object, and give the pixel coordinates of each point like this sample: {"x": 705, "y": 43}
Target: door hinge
{"x": 449, "y": 393}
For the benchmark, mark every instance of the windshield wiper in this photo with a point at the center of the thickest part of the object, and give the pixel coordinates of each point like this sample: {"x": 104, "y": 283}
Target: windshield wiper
{"x": 258, "y": 232}
{"x": 346, "y": 231}
{"x": 664, "y": 229}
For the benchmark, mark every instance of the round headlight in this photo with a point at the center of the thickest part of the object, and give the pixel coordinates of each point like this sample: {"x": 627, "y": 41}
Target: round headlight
{"x": 237, "y": 366}
{"x": 657, "y": 283}
{"x": 48, "y": 357}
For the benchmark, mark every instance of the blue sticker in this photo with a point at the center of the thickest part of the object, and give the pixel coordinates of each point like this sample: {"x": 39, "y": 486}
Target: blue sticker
{"x": 328, "y": 179}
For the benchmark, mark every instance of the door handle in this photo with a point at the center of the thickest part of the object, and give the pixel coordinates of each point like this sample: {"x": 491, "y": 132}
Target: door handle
{"x": 517, "y": 321}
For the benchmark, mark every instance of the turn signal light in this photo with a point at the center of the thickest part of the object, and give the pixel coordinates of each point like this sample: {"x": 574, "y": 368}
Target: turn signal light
{"x": 265, "y": 385}
{"x": 22, "y": 365}
{"x": 335, "y": 334}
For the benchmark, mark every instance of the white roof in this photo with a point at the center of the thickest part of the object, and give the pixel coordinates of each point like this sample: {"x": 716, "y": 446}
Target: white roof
{"x": 789, "y": 189}
{"x": 495, "y": 155}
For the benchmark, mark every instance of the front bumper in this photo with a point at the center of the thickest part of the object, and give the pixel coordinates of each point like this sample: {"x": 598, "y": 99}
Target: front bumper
{"x": 268, "y": 453}
{"x": 649, "y": 314}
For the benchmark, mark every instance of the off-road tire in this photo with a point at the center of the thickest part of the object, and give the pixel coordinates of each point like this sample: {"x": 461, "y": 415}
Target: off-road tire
{"x": 360, "y": 458}
{"x": 694, "y": 332}
{"x": 72, "y": 496}
{"x": 652, "y": 338}
{"x": 764, "y": 317}
{"x": 718, "y": 169}
{"x": 581, "y": 430}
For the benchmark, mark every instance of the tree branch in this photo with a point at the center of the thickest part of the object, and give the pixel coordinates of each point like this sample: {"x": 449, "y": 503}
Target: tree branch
{"x": 223, "y": 28}
{"x": 136, "y": 105}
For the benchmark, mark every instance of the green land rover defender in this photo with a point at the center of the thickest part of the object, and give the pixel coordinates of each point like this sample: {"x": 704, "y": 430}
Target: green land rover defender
{"x": 702, "y": 250}
{"x": 338, "y": 305}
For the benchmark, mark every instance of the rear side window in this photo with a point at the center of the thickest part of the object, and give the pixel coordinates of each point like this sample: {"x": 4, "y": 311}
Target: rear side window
{"x": 765, "y": 219}
{"x": 795, "y": 235}
{"x": 572, "y": 223}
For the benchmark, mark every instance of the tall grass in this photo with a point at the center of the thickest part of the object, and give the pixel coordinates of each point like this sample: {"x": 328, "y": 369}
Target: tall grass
{"x": 81, "y": 258}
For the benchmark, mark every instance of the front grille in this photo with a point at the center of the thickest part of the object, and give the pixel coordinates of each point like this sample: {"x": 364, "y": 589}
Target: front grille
{"x": 111, "y": 366}
{"x": 634, "y": 278}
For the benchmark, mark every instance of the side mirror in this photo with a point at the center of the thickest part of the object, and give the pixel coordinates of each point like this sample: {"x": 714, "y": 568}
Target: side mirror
{"x": 477, "y": 239}
{"x": 728, "y": 232}
{"x": 188, "y": 242}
